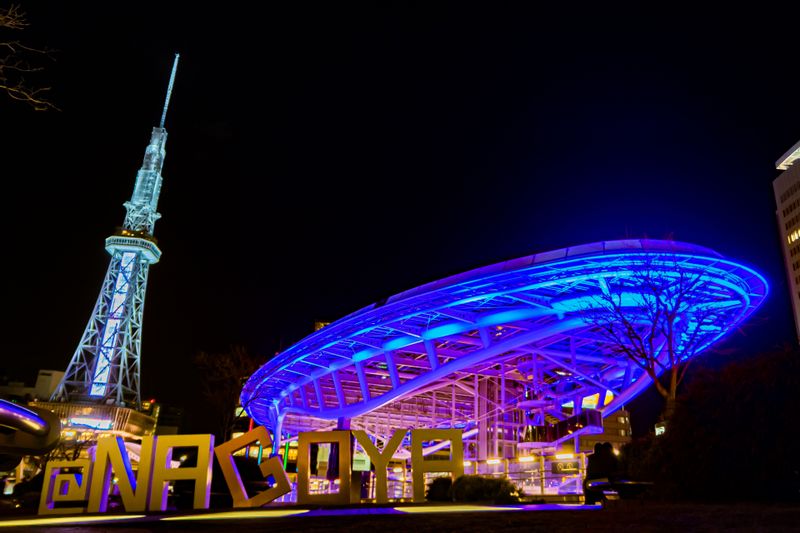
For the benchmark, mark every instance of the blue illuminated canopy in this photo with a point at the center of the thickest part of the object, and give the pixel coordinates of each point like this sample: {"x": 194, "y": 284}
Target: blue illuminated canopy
{"x": 520, "y": 323}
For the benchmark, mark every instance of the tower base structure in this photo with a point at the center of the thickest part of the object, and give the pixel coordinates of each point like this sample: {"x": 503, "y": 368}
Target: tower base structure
{"x": 82, "y": 424}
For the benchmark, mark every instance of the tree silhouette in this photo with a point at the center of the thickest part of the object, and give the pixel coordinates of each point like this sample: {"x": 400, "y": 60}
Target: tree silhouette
{"x": 222, "y": 377}
{"x": 658, "y": 314}
{"x": 733, "y": 436}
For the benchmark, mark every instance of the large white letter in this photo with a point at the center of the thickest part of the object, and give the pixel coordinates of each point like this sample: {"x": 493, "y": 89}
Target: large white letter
{"x": 455, "y": 465}
{"x": 342, "y": 439}
{"x": 67, "y": 487}
{"x": 111, "y": 452}
{"x": 164, "y": 473}
{"x": 380, "y": 459}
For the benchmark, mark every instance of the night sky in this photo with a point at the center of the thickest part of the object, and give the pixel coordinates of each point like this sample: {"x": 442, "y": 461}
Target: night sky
{"x": 323, "y": 156}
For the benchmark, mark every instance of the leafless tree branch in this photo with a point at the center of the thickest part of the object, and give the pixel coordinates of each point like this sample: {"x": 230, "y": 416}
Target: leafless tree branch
{"x": 15, "y": 64}
{"x": 223, "y": 375}
{"x": 657, "y": 315}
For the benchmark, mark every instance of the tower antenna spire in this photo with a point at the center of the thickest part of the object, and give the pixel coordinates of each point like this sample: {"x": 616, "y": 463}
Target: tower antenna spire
{"x": 105, "y": 366}
{"x": 169, "y": 90}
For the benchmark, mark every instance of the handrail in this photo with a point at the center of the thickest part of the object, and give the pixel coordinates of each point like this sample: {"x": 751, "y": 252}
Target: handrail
{"x": 17, "y": 417}
{"x": 34, "y": 431}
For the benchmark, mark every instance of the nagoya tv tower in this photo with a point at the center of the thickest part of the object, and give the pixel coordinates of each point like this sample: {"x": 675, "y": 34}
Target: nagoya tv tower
{"x": 105, "y": 367}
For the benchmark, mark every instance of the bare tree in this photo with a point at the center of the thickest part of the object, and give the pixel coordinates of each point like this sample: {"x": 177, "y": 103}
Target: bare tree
{"x": 223, "y": 375}
{"x": 658, "y": 314}
{"x": 16, "y": 63}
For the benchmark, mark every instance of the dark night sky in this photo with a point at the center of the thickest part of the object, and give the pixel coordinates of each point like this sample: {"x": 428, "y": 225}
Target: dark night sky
{"x": 324, "y": 156}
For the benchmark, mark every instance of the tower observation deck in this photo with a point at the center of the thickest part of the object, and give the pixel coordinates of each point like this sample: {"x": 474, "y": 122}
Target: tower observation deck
{"x": 106, "y": 365}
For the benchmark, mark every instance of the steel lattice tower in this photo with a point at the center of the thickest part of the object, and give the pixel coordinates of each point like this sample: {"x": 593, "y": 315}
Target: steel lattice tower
{"x": 106, "y": 365}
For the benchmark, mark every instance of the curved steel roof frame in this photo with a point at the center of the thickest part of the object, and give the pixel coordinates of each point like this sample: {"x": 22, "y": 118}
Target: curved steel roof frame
{"x": 521, "y": 321}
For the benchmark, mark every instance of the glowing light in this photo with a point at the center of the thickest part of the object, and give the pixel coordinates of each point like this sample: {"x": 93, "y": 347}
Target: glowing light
{"x": 453, "y": 509}
{"x": 549, "y": 291}
{"x": 444, "y": 330}
{"x": 399, "y": 342}
{"x": 91, "y": 423}
{"x": 24, "y": 417}
{"x": 467, "y": 463}
{"x": 560, "y": 507}
{"x": 493, "y": 461}
{"x": 111, "y": 331}
{"x": 609, "y": 397}
{"x": 526, "y": 459}
{"x": 363, "y": 355}
{"x": 397, "y": 469}
{"x": 65, "y": 520}
{"x": 503, "y": 317}
{"x": 236, "y": 515}
{"x": 590, "y": 402}
{"x": 565, "y": 456}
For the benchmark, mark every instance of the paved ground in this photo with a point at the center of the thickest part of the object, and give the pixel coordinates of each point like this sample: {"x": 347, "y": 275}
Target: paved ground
{"x": 625, "y": 516}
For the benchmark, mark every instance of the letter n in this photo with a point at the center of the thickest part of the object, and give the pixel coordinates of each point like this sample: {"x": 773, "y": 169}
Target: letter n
{"x": 111, "y": 456}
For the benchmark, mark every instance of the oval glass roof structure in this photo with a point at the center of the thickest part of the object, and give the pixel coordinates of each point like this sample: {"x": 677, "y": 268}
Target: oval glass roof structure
{"x": 509, "y": 332}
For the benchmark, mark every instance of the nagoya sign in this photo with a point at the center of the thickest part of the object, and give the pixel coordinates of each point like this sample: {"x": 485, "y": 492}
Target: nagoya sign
{"x": 87, "y": 484}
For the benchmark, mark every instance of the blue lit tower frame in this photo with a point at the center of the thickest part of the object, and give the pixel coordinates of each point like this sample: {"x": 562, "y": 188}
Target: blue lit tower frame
{"x": 493, "y": 349}
{"x": 107, "y": 362}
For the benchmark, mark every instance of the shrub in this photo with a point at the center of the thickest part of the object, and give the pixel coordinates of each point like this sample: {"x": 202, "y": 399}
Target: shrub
{"x": 476, "y": 488}
{"x": 439, "y": 490}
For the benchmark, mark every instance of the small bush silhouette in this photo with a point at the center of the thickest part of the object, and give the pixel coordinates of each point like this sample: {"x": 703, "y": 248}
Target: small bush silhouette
{"x": 439, "y": 490}
{"x": 482, "y": 489}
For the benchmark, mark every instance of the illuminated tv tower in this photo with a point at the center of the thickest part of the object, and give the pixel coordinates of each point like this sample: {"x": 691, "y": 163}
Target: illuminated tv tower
{"x": 106, "y": 365}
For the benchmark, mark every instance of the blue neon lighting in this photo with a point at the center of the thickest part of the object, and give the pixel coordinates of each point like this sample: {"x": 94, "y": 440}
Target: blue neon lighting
{"x": 399, "y": 342}
{"x": 445, "y": 330}
{"x": 90, "y": 422}
{"x": 12, "y": 415}
{"x": 116, "y": 316}
{"x": 363, "y": 355}
{"x": 504, "y": 317}
{"x": 540, "y": 298}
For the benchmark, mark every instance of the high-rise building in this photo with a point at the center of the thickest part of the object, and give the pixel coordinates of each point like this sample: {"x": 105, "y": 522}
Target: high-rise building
{"x": 787, "y": 199}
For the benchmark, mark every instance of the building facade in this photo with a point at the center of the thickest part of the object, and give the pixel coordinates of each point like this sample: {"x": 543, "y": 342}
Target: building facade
{"x": 787, "y": 200}
{"x": 46, "y": 383}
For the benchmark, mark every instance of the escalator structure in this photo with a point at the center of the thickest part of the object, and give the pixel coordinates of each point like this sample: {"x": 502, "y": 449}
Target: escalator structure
{"x": 554, "y": 432}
